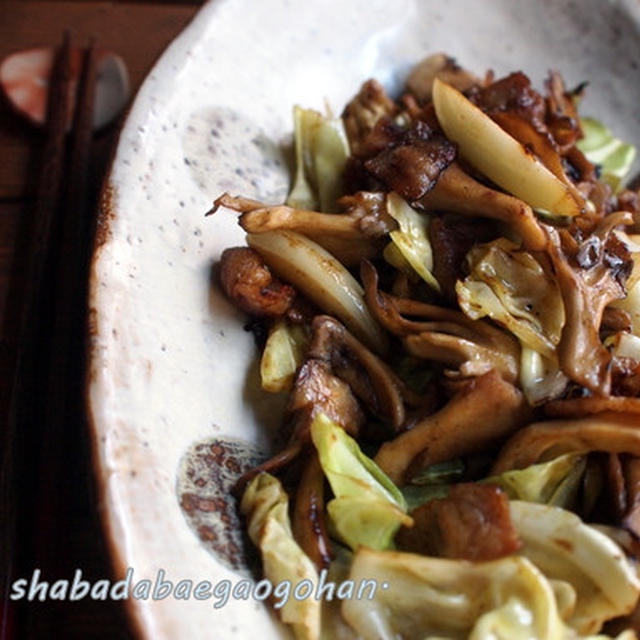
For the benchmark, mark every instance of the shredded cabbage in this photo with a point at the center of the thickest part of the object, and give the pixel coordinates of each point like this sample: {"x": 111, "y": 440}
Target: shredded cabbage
{"x": 412, "y": 238}
{"x": 368, "y": 508}
{"x": 265, "y": 505}
{"x": 322, "y": 150}
{"x": 553, "y": 483}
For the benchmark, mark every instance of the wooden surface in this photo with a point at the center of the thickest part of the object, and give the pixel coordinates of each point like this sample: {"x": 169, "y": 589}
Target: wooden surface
{"x": 139, "y": 32}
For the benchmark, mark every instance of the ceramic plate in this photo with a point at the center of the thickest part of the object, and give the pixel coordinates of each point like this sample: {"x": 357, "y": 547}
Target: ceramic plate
{"x": 172, "y": 369}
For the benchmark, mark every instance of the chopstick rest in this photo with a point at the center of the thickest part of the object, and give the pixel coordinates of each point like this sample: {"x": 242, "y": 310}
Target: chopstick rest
{"x": 24, "y": 78}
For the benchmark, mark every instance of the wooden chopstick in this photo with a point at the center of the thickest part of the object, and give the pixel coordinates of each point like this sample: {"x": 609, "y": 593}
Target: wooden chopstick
{"x": 48, "y": 193}
{"x": 67, "y": 329}
{"x": 25, "y": 313}
{"x": 77, "y": 194}
{"x": 48, "y": 363}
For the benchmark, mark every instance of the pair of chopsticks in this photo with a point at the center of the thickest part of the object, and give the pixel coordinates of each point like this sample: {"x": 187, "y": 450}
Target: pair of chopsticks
{"x": 49, "y": 317}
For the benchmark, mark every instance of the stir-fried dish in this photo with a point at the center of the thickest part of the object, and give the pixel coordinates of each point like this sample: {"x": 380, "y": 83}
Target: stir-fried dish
{"x": 450, "y": 297}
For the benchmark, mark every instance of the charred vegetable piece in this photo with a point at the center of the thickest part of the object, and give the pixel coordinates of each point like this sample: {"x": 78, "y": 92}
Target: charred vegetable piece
{"x": 511, "y": 287}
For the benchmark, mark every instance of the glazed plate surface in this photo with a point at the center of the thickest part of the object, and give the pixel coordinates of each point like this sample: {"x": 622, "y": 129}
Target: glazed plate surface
{"x": 172, "y": 368}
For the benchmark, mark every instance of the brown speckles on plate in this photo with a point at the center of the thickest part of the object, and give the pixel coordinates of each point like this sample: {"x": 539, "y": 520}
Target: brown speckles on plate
{"x": 226, "y": 150}
{"x": 208, "y": 471}
{"x": 106, "y": 214}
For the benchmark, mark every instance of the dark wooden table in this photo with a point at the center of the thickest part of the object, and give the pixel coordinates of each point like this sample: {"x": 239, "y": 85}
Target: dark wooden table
{"x": 72, "y": 539}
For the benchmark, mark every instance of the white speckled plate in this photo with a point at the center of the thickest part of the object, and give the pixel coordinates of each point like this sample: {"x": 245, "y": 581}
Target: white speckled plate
{"x": 171, "y": 365}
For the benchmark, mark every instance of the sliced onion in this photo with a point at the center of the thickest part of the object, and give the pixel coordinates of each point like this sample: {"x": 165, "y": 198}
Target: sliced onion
{"x": 491, "y": 150}
{"x": 540, "y": 378}
{"x": 319, "y": 276}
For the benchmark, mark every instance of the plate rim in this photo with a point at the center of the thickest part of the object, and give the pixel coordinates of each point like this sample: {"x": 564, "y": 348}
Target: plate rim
{"x": 106, "y": 214}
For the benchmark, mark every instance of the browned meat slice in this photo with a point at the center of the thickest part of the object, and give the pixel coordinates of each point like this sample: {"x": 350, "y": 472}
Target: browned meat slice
{"x": 472, "y": 523}
{"x": 513, "y": 93}
{"x": 412, "y": 165}
{"x": 317, "y": 390}
{"x": 247, "y": 280}
{"x": 562, "y": 114}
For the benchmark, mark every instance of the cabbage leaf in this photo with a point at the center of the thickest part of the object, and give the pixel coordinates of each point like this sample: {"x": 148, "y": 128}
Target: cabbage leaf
{"x": 265, "y": 505}
{"x": 412, "y": 239}
{"x": 433, "y": 598}
{"x": 283, "y": 353}
{"x": 330, "y": 153}
{"x": 566, "y": 550}
{"x": 601, "y": 147}
{"x": 392, "y": 254}
{"x": 510, "y": 286}
{"x": 554, "y": 483}
{"x": 368, "y": 508}
{"x": 321, "y": 150}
